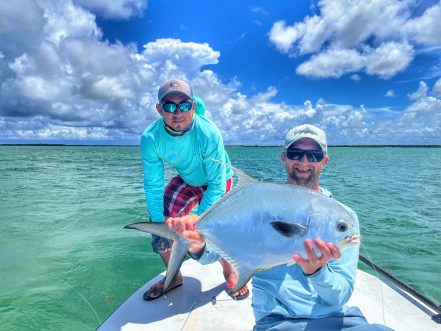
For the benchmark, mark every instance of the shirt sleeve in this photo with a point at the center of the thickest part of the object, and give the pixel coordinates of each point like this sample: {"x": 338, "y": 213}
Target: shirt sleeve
{"x": 207, "y": 256}
{"x": 216, "y": 172}
{"x": 153, "y": 179}
{"x": 200, "y": 106}
{"x": 334, "y": 282}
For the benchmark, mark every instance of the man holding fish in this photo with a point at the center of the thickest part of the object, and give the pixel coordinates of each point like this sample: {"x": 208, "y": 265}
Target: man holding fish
{"x": 312, "y": 293}
{"x": 187, "y": 141}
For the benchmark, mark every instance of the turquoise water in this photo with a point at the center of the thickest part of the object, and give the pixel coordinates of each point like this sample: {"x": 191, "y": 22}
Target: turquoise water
{"x": 66, "y": 261}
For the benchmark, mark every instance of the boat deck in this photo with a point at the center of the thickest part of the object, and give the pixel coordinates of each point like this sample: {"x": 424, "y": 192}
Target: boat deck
{"x": 203, "y": 304}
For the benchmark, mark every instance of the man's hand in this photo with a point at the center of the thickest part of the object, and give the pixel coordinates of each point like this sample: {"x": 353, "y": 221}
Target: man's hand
{"x": 313, "y": 262}
{"x": 184, "y": 226}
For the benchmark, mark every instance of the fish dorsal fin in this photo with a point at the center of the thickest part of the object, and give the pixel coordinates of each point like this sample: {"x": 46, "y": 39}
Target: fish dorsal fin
{"x": 290, "y": 230}
{"x": 243, "y": 180}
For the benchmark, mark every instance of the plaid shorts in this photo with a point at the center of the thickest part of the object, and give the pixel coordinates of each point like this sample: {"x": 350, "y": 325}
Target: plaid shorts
{"x": 179, "y": 199}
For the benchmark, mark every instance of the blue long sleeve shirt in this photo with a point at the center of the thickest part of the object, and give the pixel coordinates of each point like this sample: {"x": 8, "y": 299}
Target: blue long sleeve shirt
{"x": 191, "y": 155}
{"x": 287, "y": 291}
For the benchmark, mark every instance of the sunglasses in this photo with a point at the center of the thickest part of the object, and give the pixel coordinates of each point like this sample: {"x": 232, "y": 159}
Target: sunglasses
{"x": 297, "y": 154}
{"x": 171, "y": 107}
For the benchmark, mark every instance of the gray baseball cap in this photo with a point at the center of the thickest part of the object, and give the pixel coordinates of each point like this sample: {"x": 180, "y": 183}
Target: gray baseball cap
{"x": 307, "y": 131}
{"x": 175, "y": 85}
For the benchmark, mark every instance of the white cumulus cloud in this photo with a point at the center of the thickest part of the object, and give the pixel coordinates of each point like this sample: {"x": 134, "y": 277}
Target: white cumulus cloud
{"x": 437, "y": 88}
{"x": 390, "y": 93}
{"x": 377, "y": 37}
{"x": 62, "y": 82}
{"x": 115, "y": 9}
{"x": 284, "y": 37}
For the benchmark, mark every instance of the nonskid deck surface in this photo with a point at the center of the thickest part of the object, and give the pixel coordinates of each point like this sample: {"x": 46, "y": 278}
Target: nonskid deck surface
{"x": 203, "y": 304}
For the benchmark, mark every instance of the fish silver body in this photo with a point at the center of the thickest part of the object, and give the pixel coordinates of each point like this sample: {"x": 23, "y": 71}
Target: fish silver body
{"x": 260, "y": 225}
{"x": 265, "y": 224}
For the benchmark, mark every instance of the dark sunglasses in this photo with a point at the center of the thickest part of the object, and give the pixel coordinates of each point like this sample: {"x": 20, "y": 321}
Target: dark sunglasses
{"x": 311, "y": 155}
{"x": 170, "y": 107}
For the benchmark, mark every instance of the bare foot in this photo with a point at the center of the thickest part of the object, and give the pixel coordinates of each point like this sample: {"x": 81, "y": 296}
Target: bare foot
{"x": 231, "y": 278}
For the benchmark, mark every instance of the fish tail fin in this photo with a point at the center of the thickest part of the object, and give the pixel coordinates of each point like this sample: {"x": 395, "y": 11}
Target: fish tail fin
{"x": 179, "y": 248}
{"x": 159, "y": 229}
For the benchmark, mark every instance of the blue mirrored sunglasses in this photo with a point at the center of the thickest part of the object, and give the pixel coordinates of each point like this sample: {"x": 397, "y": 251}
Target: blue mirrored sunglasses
{"x": 170, "y": 107}
{"x": 297, "y": 154}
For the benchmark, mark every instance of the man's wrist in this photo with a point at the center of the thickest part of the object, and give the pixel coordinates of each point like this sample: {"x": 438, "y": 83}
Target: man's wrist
{"x": 307, "y": 274}
{"x": 196, "y": 248}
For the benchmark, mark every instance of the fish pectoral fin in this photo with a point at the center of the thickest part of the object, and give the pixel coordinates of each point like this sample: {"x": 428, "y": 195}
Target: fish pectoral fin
{"x": 179, "y": 249}
{"x": 244, "y": 274}
{"x": 290, "y": 230}
{"x": 159, "y": 229}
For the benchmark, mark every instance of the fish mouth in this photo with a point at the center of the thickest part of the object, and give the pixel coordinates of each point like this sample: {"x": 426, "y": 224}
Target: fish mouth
{"x": 351, "y": 240}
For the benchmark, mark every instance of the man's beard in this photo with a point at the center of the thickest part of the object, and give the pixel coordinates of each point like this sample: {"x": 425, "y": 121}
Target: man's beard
{"x": 305, "y": 182}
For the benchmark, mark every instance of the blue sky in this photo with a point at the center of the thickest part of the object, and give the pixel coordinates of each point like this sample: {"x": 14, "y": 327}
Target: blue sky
{"x": 87, "y": 71}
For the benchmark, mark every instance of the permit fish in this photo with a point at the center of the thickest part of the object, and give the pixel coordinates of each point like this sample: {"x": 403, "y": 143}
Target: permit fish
{"x": 259, "y": 225}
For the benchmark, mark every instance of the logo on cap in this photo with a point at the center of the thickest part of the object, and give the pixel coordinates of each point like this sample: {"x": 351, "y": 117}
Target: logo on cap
{"x": 306, "y": 131}
{"x": 174, "y": 84}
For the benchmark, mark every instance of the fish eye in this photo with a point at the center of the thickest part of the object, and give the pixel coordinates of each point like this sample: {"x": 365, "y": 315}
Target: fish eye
{"x": 342, "y": 226}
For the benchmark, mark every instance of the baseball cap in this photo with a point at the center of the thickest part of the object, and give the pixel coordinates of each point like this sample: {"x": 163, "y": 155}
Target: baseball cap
{"x": 307, "y": 131}
{"x": 175, "y": 85}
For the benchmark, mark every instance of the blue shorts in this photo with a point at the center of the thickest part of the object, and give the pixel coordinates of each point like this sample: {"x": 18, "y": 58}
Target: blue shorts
{"x": 179, "y": 199}
{"x": 352, "y": 320}
{"x": 160, "y": 244}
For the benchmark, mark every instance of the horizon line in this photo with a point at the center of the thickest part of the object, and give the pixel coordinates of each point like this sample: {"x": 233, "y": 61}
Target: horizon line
{"x": 238, "y": 145}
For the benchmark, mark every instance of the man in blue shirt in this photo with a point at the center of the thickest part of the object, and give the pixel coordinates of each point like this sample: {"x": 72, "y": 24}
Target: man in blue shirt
{"x": 311, "y": 294}
{"x": 188, "y": 142}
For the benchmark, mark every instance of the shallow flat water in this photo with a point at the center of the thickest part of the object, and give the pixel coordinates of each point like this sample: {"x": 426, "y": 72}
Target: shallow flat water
{"x": 66, "y": 261}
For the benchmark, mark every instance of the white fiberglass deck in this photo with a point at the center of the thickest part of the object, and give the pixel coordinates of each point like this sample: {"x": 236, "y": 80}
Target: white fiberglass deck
{"x": 202, "y": 304}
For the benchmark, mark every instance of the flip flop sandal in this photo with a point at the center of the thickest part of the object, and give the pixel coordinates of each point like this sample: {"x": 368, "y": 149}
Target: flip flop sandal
{"x": 239, "y": 297}
{"x": 148, "y": 296}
